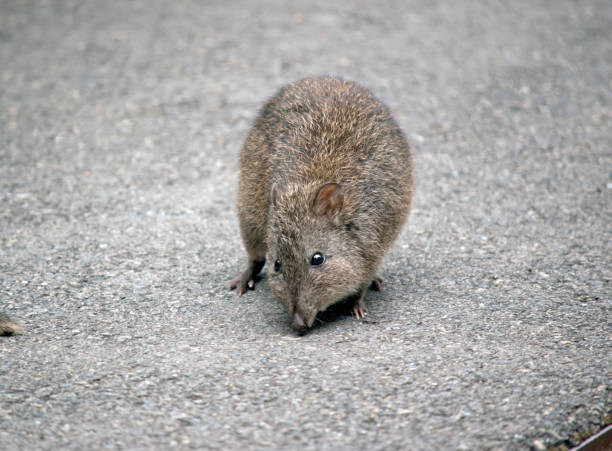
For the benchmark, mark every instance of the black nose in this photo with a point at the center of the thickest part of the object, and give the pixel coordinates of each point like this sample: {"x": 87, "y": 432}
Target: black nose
{"x": 298, "y": 323}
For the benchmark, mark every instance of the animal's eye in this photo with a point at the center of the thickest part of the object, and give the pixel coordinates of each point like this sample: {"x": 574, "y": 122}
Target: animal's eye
{"x": 277, "y": 265}
{"x": 317, "y": 259}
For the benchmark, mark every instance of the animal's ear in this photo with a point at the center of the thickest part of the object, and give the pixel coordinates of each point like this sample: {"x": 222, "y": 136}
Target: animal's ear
{"x": 328, "y": 200}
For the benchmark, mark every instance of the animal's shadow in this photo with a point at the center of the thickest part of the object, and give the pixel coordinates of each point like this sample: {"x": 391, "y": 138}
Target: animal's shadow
{"x": 339, "y": 311}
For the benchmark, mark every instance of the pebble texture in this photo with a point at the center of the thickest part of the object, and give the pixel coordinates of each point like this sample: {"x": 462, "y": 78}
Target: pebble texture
{"x": 120, "y": 127}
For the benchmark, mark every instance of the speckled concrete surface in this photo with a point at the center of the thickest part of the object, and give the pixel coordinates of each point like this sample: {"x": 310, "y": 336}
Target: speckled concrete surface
{"x": 120, "y": 126}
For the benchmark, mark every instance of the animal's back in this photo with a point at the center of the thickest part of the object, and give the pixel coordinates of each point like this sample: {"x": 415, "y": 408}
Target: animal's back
{"x": 321, "y": 128}
{"x": 327, "y": 129}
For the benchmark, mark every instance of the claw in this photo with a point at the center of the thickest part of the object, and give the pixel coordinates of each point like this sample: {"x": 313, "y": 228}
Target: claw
{"x": 235, "y": 284}
{"x": 359, "y": 311}
{"x": 238, "y": 285}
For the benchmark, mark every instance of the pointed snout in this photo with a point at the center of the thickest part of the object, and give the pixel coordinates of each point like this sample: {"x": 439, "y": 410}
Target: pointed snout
{"x": 298, "y": 323}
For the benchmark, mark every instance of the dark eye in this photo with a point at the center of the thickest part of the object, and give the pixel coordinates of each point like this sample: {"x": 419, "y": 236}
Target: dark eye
{"x": 317, "y": 259}
{"x": 277, "y": 265}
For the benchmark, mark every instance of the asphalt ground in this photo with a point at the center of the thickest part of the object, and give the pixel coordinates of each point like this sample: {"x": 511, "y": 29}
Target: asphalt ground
{"x": 120, "y": 128}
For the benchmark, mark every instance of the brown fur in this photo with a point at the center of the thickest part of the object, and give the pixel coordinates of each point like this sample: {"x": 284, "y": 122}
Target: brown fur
{"x": 325, "y": 169}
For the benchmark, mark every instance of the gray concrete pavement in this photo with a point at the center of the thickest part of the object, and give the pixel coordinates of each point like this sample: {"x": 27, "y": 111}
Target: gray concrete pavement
{"x": 120, "y": 126}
